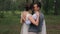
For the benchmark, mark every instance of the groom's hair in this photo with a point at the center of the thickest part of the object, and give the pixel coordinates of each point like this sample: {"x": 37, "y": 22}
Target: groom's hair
{"x": 38, "y": 4}
{"x": 32, "y": 6}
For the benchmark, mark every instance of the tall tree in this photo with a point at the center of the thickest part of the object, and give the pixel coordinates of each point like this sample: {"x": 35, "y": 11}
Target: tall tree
{"x": 46, "y": 6}
{"x": 55, "y": 7}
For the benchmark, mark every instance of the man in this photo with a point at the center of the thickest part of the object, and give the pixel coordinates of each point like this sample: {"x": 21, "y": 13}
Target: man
{"x": 41, "y": 28}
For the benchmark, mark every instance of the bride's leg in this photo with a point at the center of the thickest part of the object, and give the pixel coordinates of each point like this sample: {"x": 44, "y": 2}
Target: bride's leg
{"x": 24, "y": 29}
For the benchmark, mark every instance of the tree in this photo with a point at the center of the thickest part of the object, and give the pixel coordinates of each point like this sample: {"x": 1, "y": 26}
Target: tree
{"x": 46, "y": 6}
{"x": 55, "y": 1}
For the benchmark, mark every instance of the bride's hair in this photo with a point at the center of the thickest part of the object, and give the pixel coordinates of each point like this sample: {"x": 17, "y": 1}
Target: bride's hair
{"x": 27, "y": 7}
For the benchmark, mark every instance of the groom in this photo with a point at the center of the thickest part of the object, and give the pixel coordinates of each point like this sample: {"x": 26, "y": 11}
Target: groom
{"x": 37, "y": 29}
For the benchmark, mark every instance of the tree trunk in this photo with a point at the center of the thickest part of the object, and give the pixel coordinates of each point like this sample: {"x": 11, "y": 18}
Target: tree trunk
{"x": 56, "y": 8}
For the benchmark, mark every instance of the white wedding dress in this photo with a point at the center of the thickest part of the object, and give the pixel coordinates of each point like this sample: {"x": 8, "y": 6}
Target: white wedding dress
{"x": 25, "y": 26}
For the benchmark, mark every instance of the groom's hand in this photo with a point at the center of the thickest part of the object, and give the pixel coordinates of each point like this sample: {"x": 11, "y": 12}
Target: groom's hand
{"x": 23, "y": 17}
{"x": 37, "y": 13}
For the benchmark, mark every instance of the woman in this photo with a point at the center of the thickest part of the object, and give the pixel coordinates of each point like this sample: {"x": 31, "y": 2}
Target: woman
{"x": 28, "y": 19}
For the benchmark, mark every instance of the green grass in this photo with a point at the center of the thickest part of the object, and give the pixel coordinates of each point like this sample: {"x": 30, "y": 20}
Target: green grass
{"x": 10, "y": 24}
{"x": 53, "y": 24}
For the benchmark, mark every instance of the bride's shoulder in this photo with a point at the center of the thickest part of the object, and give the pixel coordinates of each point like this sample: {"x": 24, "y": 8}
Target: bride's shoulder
{"x": 24, "y": 12}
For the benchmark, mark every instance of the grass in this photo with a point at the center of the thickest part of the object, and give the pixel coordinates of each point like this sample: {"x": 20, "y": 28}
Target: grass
{"x": 10, "y": 24}
{"x": 53, "y": 24}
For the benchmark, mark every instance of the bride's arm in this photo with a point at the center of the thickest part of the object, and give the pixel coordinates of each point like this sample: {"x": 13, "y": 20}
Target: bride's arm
{"x": 35, "y": 22}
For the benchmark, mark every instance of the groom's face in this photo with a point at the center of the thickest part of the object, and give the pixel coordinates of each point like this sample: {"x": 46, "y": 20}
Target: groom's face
{"x": 36, "y": 8}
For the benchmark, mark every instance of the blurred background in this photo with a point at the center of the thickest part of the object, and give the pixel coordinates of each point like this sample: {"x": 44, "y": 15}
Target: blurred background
{"x": 10, "y": 11}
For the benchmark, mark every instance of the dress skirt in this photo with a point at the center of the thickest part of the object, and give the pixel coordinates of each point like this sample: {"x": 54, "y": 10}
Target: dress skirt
{"x": 24, "y": 29}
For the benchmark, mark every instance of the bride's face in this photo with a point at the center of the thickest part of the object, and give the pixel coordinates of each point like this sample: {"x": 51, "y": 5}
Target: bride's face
{"x": 35, "y": 7}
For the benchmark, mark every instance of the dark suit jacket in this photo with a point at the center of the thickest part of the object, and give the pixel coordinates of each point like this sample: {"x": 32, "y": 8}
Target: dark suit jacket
{"x": 38, "y": 28}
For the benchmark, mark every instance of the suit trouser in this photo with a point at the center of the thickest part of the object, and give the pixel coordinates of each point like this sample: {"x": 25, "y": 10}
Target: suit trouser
{"x": 34, "y": 33}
